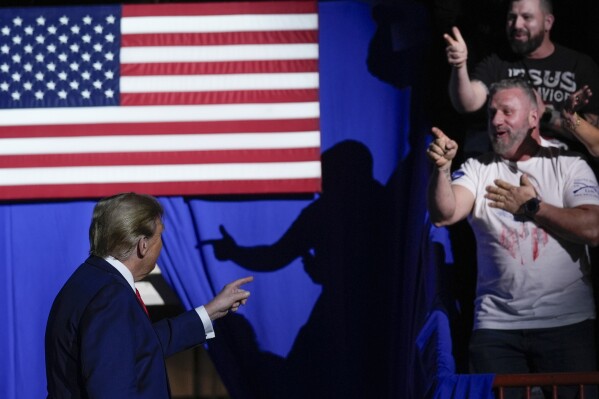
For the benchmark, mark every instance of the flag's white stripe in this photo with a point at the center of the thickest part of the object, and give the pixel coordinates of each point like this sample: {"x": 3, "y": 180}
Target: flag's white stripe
{"x": 218, "y": 23}
{"x": 171, "y": 142}
{"x": 159, "y": 173}
{"x": 170, "y": 113}
{"x": 246, "y": 52}
{"x": 190, "y": 83}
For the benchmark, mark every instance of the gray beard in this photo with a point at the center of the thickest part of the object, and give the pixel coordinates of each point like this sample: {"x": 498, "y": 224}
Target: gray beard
{"x": 527, "y": 47}
{"x": 500, "y": 148}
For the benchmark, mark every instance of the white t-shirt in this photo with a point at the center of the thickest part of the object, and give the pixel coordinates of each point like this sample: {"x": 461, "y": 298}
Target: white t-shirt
{"x": 527, "y": 277}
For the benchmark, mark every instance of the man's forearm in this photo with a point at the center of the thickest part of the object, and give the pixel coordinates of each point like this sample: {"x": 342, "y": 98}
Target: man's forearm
{"x": 579, "y": 225}
{"x": 440, "y": 198}
{"x": 462, "y": 92}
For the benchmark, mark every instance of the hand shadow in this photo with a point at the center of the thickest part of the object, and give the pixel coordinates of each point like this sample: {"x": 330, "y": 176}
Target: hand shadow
{"x": 343, "y": 240}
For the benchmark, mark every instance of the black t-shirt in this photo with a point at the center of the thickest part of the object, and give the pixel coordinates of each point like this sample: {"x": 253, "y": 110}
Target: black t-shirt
{"x": 555, "y": 77}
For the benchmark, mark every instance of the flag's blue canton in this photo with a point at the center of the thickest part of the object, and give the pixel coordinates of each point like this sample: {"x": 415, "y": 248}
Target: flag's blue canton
{"x": 59, "y": 57}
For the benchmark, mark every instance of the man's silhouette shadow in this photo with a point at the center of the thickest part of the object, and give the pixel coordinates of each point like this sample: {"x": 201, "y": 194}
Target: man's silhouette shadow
{"x": 342, "y": 238}
{"x": 257, "y": 374}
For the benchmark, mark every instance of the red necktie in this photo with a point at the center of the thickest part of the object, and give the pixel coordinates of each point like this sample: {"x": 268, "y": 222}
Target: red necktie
{"x": 141, "y": 302}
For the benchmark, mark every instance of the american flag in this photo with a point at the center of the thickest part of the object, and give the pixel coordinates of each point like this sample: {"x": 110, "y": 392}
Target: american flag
{"x": 166, "y": 99}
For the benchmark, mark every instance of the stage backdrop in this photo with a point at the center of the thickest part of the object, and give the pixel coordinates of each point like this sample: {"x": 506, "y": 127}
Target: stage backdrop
{"x": 339, "y": 295}
{"x": 169, "y": 99}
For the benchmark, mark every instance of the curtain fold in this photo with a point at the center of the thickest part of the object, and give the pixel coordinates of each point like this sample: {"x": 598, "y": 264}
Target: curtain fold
{"x": 320, "y": 263}
{"x": 434, "y": 345}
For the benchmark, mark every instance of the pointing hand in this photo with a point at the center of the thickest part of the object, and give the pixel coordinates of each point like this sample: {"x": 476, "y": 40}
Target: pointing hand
{"x": 442, "y": 150}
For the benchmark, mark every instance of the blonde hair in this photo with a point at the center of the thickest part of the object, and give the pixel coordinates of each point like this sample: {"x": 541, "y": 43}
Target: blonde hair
{"x": 118, "y": 222}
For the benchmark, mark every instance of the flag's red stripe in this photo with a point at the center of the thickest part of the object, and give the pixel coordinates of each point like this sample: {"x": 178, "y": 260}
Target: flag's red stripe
{"x": 220, "y": 68}
{"x": 117, "y": 129}
{"x": 161, "y": 158}
{"x": 222, "y": 8}
{"x": 168, "y": 188}
{"x": 220, "y": 97}
{"x": 219, "y": 38}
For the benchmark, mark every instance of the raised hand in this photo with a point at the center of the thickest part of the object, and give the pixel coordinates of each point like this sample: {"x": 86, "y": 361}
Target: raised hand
{"x": 457, "y": 51}
{"x": 230, "y": 298}
{"x": 577, "y": 100}
{"x": 571, "y": 120}
{"x": 223, "y": 247}
{"x": 312, "y": 267}
{"x": 442, "y": 149}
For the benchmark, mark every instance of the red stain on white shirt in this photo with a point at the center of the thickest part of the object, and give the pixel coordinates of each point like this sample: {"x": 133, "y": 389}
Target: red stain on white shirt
{"x": 513, "y": 240}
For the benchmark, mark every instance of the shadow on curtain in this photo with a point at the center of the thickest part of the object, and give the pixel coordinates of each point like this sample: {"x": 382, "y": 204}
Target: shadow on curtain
{"x": 341, "y": 290}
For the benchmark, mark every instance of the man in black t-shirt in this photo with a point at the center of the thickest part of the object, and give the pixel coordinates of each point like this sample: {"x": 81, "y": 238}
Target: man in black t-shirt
{"x": 555, "y": 71}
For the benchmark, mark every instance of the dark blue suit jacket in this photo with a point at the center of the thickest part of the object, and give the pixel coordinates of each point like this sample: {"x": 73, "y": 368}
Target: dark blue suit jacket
{"x": 101, "y": 344}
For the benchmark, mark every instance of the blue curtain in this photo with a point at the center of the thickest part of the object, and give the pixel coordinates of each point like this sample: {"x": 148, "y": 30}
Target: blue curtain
{"x": 342, "y": 279}
{"x": 41, "y": 245}
{"x": 442, "y": 381}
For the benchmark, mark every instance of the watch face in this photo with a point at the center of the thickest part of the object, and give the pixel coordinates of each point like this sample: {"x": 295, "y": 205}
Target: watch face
{"x": 531, "y": 206}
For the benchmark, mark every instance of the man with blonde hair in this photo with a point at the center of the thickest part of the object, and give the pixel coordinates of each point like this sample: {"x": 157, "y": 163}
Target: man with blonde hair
{"x": 100, "y": 342}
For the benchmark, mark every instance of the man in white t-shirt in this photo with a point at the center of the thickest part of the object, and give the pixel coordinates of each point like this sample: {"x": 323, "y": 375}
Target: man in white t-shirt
{"x": 533, "y": 211}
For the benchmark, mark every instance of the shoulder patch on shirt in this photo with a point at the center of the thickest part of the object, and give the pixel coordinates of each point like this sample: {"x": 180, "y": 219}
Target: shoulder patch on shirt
{"x": 585, "y": 188}
{"x": 457, "y": 174}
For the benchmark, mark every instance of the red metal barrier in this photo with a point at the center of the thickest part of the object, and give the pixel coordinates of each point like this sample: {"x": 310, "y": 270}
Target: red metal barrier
{"x": 553, "y": 380}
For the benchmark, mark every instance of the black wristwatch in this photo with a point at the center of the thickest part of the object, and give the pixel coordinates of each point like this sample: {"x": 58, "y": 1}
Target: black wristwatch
{"x": 531, "y": 207}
